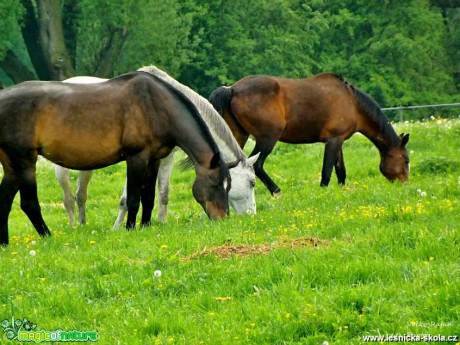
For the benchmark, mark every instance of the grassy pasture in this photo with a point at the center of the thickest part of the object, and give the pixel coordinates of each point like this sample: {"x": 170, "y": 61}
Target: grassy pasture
{"x": 319, "y": 264}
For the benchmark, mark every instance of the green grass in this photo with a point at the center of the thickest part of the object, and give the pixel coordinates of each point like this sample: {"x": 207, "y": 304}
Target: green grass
{"x": 387, "y": 263}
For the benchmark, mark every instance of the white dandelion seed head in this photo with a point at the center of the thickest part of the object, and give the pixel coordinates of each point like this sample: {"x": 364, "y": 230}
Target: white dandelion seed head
{"x": 32, "y": 252}
{"x": 423, "y": 194}
{"x": 157, "y": 273}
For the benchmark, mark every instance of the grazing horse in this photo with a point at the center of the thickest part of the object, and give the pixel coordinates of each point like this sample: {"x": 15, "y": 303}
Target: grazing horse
{"x": 322, "y": 108}
{"x": 241, "y": 195}
{"x": 135, "y": 117}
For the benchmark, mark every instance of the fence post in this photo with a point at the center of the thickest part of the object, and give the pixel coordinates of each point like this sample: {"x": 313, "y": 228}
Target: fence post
{"x": 400, "y": 113}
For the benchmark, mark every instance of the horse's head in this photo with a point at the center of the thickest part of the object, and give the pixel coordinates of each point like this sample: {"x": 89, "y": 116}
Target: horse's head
{"x": 395, "y": 163}
{"x": 211, "y": 187}
{"x": 241, "y": 196}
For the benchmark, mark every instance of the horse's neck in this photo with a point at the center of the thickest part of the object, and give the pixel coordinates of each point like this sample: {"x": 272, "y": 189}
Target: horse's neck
{"x": 227, "y": 144}
{"x": 378, "y": 139}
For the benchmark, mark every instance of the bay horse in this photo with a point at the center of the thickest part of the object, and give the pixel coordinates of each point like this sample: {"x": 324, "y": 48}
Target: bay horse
{"x": 322, "y": 108}
{"x": 241, "y": 195}
{"x": 135, "y": 117}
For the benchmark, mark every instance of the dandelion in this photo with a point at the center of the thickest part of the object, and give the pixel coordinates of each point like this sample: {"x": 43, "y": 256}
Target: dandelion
{"x": 94, "y": 232}
{"x": 423, "y": 194}
{"x": 92, "y": 242}
{"x": 33, "y": 243}
{"x": 32, "y": 252}
{"x": 14, "y": 253}
{"x": 157, "y": 273}
{"x": 164, "y": 246}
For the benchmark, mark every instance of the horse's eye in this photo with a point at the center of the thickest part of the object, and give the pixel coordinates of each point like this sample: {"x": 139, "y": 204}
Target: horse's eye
{"x": 253, "y": 183}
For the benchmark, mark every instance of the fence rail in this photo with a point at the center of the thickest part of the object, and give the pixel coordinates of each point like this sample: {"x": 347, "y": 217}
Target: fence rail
{"x": 414, "y": 107}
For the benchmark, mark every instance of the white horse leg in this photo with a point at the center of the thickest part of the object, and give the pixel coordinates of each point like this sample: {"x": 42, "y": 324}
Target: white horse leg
{"x": 82, "y": 194}
{"x": 164, "y": 175}
{"x": 63, "y": 177}
{"x": 122, "y": 209}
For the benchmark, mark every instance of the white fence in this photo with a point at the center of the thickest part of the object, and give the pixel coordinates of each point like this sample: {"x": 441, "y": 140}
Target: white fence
{"x": 399, "y": 110}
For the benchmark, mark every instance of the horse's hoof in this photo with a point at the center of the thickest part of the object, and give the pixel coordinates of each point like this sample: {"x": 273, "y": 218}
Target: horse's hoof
{"x": 276, "y": 195}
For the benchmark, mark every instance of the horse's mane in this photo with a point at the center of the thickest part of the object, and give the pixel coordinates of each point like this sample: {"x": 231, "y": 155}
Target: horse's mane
{"x": 373, "y": 111}
{"x": 187, "y": 102}
{"x": 217, "y": 126}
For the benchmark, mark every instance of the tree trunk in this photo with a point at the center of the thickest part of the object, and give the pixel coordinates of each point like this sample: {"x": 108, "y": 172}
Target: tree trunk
{"x": 52, "y": 40}
{"x": 110, "y": 53}
{"x": 30, "y": 32}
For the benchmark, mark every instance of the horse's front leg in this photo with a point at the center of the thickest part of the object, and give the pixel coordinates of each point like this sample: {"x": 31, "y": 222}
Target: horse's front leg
{"x": 136, "y": 170}
{"x": 82, "y": 194}
{"x": 340, "y": 170}
{"x": 331, "y": 152}
{"x": 63, "y": 177}
{"x": 8, "y": 189}
{"x": 148, "y": 191}
{"x": 164, "y": 175}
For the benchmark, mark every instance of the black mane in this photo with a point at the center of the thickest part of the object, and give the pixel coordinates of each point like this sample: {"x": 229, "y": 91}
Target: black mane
{"x": 375, "y": 113}
{"x": 189, "y": 105}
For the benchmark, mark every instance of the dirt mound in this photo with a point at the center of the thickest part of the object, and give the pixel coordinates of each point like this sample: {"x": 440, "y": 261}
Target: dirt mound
{"x": 227, "y": 249}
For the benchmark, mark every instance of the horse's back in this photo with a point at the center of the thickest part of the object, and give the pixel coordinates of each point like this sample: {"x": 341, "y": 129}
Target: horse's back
{"x": 77, "y": 126}
{"x": 300, "y": 110}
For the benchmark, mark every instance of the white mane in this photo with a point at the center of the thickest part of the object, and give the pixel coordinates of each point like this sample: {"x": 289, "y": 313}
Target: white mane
{"x": 220, "y": 131}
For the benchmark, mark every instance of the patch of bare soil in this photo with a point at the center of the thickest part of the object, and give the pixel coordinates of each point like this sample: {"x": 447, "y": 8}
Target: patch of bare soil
{"x": 227, "y": 249}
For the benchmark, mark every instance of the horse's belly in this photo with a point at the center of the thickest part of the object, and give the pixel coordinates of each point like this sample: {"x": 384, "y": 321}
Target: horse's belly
{"x": 302, "y": 132}
{"x": 82, "y": 155}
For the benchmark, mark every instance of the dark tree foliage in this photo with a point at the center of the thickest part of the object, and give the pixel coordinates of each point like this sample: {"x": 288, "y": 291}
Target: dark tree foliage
{"x": 400, "y": 52}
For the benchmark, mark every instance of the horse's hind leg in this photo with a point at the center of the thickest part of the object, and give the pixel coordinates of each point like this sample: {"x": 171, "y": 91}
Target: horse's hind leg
{"x": 331, "y": 154}
{"x": 340, "y": 170}
{"x": 122, "y": 209}
{"x": 63, "y": 177}
{"x": 265, "y": 148}
{"x": 8, "y": 189}
{"x": 82, "y": 194}
{"x": 29, "y": 200}
{"x": 164, "y": 175}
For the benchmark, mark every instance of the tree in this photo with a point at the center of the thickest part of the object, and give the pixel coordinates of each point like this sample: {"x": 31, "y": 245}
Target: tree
{"x": 92, "y": 37}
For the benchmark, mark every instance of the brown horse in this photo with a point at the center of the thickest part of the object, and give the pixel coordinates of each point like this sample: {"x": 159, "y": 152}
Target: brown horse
{"x": 322, "y": 108}
{"x": 136, "y": 117}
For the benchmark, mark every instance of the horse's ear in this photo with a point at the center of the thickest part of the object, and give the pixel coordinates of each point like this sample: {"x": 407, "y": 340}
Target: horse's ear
{"x": 215, "y": 161}
{"x": 404, "y": 139}
{"x": 233, "y": 164}
{"x": 252, "y": 160}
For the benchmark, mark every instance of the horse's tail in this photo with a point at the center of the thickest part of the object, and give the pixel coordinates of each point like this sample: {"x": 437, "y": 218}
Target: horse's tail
{"x": 372, "y": 109}
{"x": 220, "y": 98}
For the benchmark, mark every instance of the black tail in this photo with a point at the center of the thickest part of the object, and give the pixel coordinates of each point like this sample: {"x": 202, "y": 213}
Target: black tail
{"x": 220, "y": 98}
